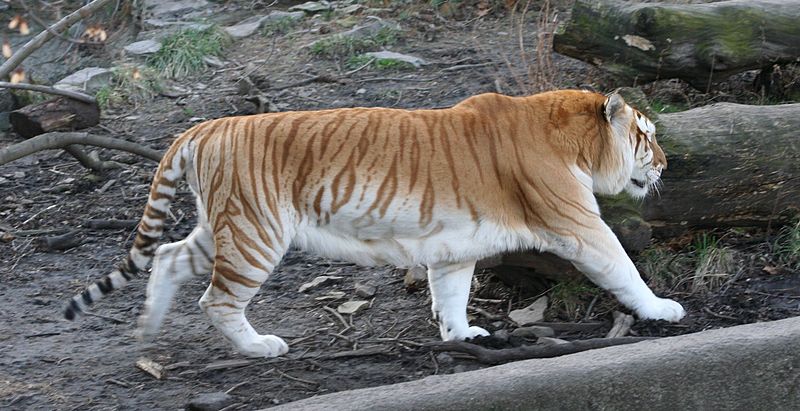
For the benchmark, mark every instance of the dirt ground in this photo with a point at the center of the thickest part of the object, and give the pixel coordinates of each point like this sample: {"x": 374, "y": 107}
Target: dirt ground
{"x": 48, "y": 363}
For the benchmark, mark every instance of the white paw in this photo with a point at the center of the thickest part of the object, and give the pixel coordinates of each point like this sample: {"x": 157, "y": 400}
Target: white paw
{"x": 465, "y": 334}
{"x": 661, "y": 309}
{"x": 264, "y": 346}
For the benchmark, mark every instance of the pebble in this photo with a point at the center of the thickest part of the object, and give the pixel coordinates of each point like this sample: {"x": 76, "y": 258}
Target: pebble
{"x": 365, "y": 290}
{"x": 213, "y": 401}
{"x": 352, "y": 307}
{"x": 530, "y": 314}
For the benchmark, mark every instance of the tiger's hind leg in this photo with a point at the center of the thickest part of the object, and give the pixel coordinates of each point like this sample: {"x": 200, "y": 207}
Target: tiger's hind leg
{"x": 173, "y": 265}
{"x": 242, "y": 264}
{"x": 449, "y": 284}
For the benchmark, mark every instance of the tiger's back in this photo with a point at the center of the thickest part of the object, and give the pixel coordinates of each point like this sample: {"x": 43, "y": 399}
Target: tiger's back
{"x": 442, "y": 188}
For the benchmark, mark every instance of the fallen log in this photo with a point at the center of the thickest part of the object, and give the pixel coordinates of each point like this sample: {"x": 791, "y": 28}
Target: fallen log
{"x": 730, "y": 165}
{"x": 59, "y": 114}
{"x": 698, "y": 43}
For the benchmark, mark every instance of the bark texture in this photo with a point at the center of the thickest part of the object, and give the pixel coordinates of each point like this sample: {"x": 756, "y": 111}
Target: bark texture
{"x": 698, "y": 43}
{"x": 60, "y": 114}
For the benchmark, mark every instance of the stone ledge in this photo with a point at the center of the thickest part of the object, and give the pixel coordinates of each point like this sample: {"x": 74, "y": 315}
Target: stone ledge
{"x": 754, "y": 366}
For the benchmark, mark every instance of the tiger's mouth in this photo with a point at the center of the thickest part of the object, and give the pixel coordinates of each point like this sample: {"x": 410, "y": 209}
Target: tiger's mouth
{"x": 638, "y": 183}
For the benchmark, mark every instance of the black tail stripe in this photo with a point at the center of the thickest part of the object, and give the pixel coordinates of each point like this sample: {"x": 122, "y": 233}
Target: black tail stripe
{"x": 87, "y": 298}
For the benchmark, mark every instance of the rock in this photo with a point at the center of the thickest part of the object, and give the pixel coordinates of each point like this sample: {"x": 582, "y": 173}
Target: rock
{"x": 318, "y": 281}
{"x": 390, "y": 55}
{"x": 281, "y": 15}
{"x": 143, "y": 47}
{"x": 360, "y": 32}
{"x": 367, "y": 30}
{"x": 333, "y": 295}
{"x": 415, "y": 278}
{"x": 351, "y": 9}
{"x": 352, "y": 307}
{"x": 530, "y": 314}
{"x": 252, "y": 24}
{"x": 173, "y": 8}
{"x": 534, "y": 331}
{"x": 551, "y": 341}
{"x": 245, "y": 28}
{"x": 212, "y": 401}
{"x": 312, "y": 7}
{"x": 444, "y": 358}
{"x": 7, "y": 100}
{"x": 167, "y": 24}
{"x": 365, "y": 290}
{"x": 88, "y": 80}
{"x": 213, "y": 61}
{"x": 501, "y": 335}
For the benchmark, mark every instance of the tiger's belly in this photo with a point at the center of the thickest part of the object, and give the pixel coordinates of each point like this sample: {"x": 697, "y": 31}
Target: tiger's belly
{"x": 406, "y": 244}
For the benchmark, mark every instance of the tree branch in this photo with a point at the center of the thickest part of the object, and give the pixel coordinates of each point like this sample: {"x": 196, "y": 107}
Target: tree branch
{"x": 85, "y": 98}
{"x": 48, "y": 141}
{"x": 40, "y": 39}
{"x": 490, "y": 356}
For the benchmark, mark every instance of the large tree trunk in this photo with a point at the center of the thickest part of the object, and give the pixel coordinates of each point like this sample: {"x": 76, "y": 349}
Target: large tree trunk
{"x": 699, "y": 43}
{"x": 730, "y": 165}
{"x": 59, "y": 114}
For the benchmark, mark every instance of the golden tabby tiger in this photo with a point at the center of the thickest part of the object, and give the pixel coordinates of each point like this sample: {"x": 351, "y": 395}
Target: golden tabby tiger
{"x": 441, "y": 188}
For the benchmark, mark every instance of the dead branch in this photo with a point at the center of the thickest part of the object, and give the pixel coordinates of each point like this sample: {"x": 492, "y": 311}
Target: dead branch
{"x": 40, "y": 39}
{"x": 49, "y": 141}
{"x": 61, "y": 242}
{"x": 622, "y": 325}
{"x": 102, "y": 224}
{"x": 50, "y": 90}
{"x": 525, "y": 352}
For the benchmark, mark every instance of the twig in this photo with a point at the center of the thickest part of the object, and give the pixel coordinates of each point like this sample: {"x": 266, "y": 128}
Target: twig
{"x": 337, "y": 315}
{"x": 40, "y": 39}
{"x": 283, "y": 374}
{"x": 622, "y": 324}
{"x": 85, "y": 98}
{"x": 487, "y": 314}
{"x": 230, "y": 390}
{"x": 489, "y": 356}
{"x": 723, "y": 316}
{"x": 361, "y": 352}
{"x": 102, "y": 224}
{"x": 464, "y": 67}
{"x": 105, "y": 317}
{"x": 48, "y": 141}
{"x": 315, "y": 79}
{"x": 61, "y": 242}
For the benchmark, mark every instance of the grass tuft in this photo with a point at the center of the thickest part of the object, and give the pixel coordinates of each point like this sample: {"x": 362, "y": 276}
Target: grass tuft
{"x": 130, "y": 84}
{"x": 342, "y": 47}
{"x": 713, "y": 263}
{"x": 787, "y": 246}
{"x": 182, "y": 53}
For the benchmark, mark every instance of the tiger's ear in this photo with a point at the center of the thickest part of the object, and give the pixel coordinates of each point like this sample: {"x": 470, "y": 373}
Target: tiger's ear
{"x": 613, "y": 105}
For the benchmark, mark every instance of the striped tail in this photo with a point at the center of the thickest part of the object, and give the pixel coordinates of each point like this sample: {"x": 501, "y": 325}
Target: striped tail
{"x": 151, "y": 226}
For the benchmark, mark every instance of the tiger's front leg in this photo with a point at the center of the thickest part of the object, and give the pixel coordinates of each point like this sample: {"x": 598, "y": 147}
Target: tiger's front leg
{"x": 603, "y": 260}
{"x": 449, "y": 284}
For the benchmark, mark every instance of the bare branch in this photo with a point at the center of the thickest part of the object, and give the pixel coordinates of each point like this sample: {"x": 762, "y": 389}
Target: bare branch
{"x": 490, "y": 356}
{"x": 40, "y": 39}
{"x": 48, "y": 141}
{"x": 85, "y": 98}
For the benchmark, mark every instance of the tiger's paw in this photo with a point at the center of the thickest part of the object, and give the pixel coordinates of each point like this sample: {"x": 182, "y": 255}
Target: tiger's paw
{"x": 661, "y": 309}
{"x": 264, "y": 346}
{"x": 466, "y": 334}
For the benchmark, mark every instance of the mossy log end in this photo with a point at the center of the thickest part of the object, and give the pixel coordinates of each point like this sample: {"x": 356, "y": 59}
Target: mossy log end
{"x": 698, "y": 43}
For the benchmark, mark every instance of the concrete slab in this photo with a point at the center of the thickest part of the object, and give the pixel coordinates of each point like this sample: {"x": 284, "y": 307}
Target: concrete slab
{"x": 755, "y": 366}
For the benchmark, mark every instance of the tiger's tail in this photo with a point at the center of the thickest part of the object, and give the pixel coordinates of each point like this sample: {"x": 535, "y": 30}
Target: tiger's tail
{"x": 151, "y": 226}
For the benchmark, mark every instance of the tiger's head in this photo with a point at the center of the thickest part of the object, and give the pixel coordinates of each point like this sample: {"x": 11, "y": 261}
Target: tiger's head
{"x": 642, "y": 157}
